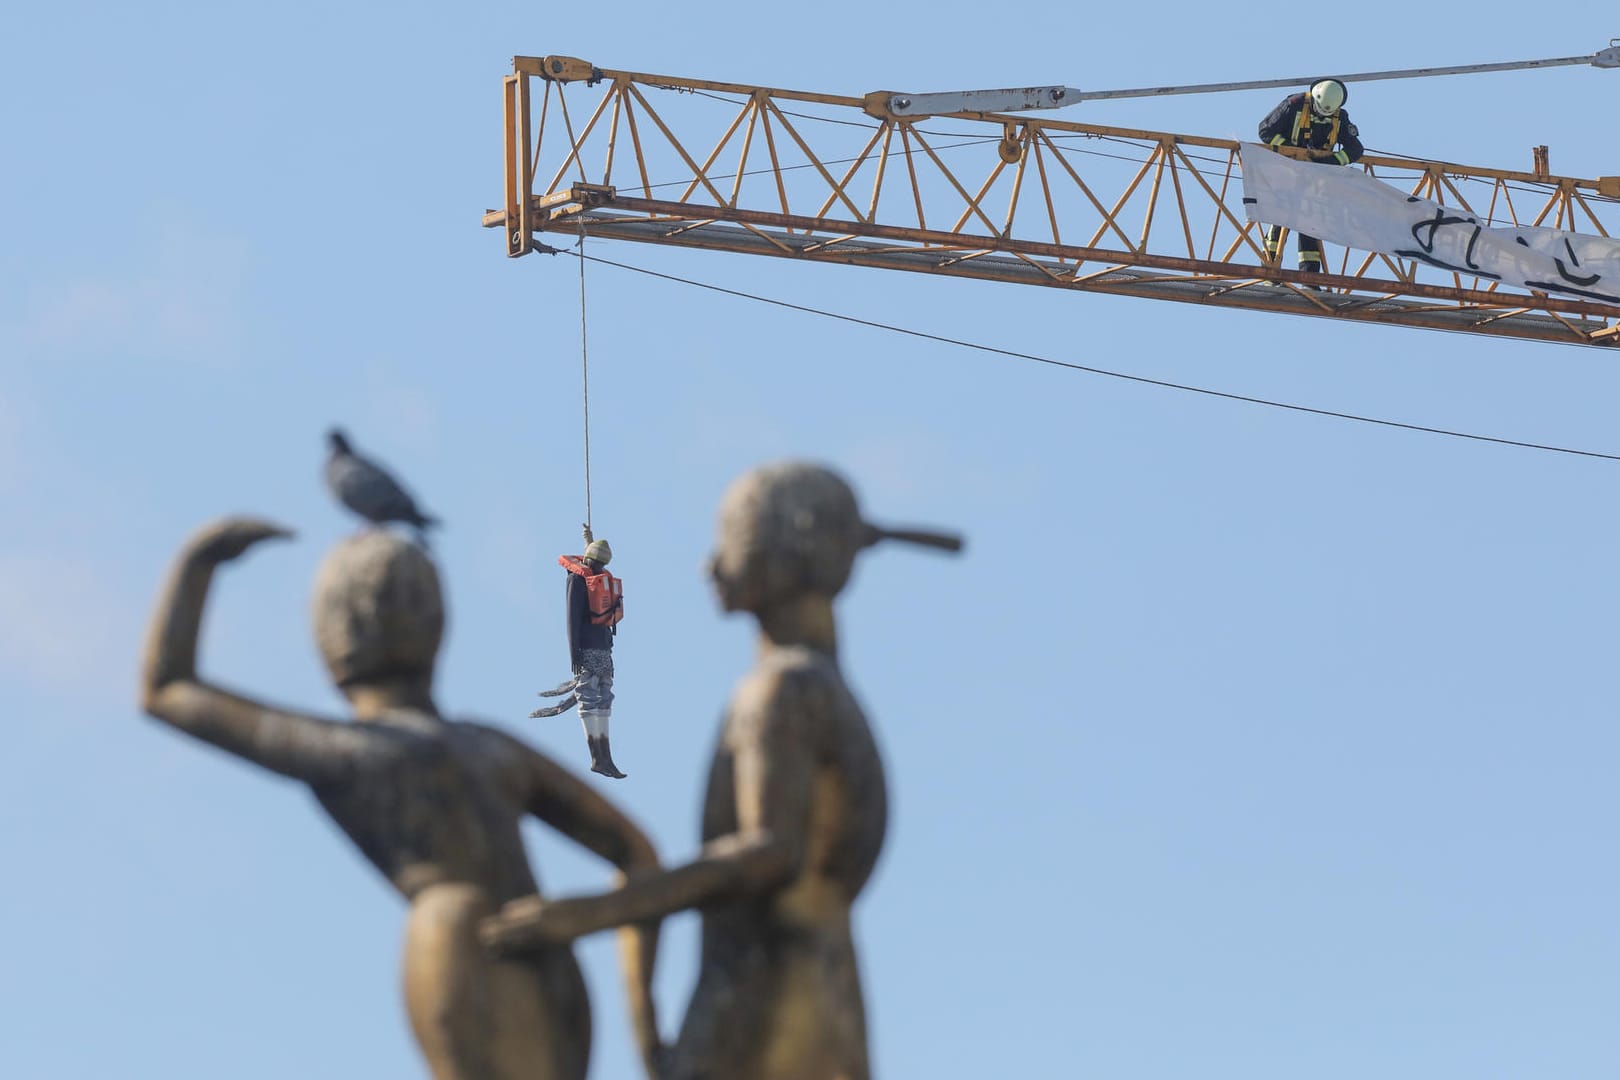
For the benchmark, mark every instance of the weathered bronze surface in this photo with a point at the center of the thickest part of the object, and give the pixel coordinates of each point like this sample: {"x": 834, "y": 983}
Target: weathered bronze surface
{"x": 794, "y": 817}
{"x": 434, "y": 804}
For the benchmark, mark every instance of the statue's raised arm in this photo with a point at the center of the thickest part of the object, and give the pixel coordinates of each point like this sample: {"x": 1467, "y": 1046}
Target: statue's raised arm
{"x": 291, "y": 743}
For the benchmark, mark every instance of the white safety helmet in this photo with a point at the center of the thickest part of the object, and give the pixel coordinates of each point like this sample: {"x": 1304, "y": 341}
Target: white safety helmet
{"x": 1327, "y": 96}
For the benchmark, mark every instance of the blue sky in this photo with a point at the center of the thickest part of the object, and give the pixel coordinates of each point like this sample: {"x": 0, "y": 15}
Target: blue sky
{"x": 1240, "y": 743}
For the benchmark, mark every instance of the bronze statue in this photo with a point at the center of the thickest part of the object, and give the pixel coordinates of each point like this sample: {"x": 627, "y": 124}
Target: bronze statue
{"x": 794, "y": 816}
{"x": 434, "y": 804}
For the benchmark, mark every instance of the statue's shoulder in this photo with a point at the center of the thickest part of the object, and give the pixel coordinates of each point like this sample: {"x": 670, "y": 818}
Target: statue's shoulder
{"x": 484, "y": 747}
{"x": 797, "y": 660}
{"x": 473, "y": 735}
{"x": 785, "y": 685}
{"x": 787, "y": 668}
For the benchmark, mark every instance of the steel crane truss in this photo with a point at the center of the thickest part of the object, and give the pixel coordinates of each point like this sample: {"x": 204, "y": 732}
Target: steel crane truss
{"x": 820, "y": 177}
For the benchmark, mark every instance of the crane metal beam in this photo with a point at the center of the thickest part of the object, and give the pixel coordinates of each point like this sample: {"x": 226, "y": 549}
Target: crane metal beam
{"x": 813, "y": 177}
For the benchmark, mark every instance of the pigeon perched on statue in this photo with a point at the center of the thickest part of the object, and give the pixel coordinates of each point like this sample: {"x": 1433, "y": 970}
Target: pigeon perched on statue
{"x": 366, "y": 488}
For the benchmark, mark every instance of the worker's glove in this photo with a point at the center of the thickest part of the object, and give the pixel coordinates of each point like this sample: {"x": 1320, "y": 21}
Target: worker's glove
{"x": 1277, "y": 141}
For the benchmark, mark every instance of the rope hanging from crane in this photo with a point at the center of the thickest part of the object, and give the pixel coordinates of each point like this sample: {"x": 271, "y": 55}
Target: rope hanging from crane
{"x": 585, "y": 378}
{"x": 594, "y": 597}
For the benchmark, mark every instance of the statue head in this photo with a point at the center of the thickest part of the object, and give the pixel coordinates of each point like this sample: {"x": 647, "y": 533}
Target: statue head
{"x": 379, "y": 614}
{"x": 786, "y": 529}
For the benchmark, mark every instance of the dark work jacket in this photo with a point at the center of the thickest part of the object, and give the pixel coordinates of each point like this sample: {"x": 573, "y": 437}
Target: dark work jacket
{"x": 1280, "y": 121}
{"x": 582, "y": 633}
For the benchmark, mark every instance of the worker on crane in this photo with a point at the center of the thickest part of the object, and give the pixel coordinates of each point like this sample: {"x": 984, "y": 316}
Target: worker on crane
{"x": 1317, "y": 122}
{"x": 594, "y": 602}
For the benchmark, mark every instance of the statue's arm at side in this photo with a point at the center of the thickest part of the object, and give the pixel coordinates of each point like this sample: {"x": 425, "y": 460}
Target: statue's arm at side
{"x": 563, "y": 801}
{"x": 285, "y": 742}
{"x": 569, "y": 805}
{"x": 772, "y": 769}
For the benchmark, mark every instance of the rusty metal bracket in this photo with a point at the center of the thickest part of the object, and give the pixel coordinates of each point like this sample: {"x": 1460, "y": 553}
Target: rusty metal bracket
{"x": 593, "y": 195}
{"x": 559, "y": 69}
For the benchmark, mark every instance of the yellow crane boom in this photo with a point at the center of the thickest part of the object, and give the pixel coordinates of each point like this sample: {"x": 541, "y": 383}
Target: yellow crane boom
{"x": 1014, "y": 198}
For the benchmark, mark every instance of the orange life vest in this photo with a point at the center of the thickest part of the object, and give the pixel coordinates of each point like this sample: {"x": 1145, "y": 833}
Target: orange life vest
{"x": 604, "y": 593}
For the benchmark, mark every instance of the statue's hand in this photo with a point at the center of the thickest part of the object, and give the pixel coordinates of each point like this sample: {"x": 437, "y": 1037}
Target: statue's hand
{"x": 228, "y": 538}
{"x": 659, "y": 1059}
{"x": 527, "y": 924}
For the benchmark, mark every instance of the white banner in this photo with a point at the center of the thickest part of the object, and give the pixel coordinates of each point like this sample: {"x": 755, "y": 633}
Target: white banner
{"x": 1345, "y": 206}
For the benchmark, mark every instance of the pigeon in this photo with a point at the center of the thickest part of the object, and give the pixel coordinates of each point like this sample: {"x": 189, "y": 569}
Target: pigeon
{"x": 368, "y": 490}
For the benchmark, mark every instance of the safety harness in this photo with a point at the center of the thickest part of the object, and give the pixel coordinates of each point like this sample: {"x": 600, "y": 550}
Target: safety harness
{"x": 1302, "y": 124}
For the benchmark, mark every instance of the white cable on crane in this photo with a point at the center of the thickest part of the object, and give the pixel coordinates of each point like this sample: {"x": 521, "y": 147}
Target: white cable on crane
{"x": 1056, "y": 97}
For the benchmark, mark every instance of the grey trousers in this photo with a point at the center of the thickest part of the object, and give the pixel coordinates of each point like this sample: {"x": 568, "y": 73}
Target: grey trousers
{"x": 593, "y": 686}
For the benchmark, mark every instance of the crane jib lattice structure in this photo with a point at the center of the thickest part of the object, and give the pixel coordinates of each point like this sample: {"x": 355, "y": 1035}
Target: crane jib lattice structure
{"x": 826, "y": 178}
